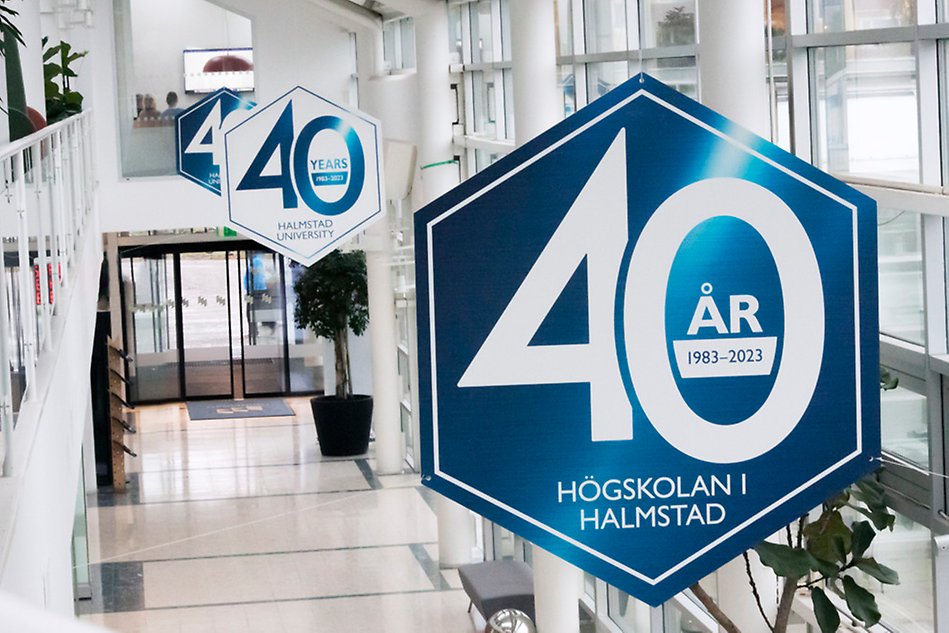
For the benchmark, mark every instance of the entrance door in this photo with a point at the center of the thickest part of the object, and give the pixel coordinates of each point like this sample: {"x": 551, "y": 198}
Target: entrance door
{"x": 206, "y": 325}
{"x": 264, "y": 323}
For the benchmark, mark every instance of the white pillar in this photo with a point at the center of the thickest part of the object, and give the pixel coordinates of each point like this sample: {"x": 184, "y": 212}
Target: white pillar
{"x": 732, "y": 74}
{"x": 439, "y": 174}
{"x": 732, "y": 67}
{"x": 556, "y": 594}
{"x": 436, "y": 152}
{"x": 537, "y": 107}
{"x": 386, "y": 420}
{"x": 537, "y": 100}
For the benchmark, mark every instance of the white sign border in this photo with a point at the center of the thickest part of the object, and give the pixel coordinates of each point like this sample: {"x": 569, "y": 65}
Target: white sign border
{"x": 434, "y": 384}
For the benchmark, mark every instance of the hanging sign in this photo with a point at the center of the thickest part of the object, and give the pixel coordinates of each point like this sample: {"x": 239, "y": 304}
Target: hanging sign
{"x": 199, "y": 136}
{"x": 303, "y": 175}
{"x": 648, "y": 339}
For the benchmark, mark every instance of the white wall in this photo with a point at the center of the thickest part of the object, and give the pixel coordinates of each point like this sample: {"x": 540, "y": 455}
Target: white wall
{"x": 296, "y": 42}
{"x": 39, "y": 500}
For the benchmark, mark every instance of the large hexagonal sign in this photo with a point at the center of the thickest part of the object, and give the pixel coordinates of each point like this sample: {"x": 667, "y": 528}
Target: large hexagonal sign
{"x": 303, "y": 174}
{"x": 199, "y": 136}
{"x": 647, "y": 339}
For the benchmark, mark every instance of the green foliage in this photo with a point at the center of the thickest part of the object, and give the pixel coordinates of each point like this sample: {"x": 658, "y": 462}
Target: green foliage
{"x": 887, "y": 380}
{"x": 18, "y": 121}
{"x": 828, "y": 548}
{"x": 7, "y": 26}
{"x": 332, "y": 296}
{"x": 61, "y": 101}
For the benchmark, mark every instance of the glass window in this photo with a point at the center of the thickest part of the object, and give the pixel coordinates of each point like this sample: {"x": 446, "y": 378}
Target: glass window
{"x": 481, "y": 42}
{"x": 605, "y": 25}
{"x": 849, "y": 15}
{"x": 152, "y": 86}
{"x": 901, "y": 275}
{"x": 455, "y": 45}
{"x": 564, "y": 16}
{"x": 631, "y": 615}
{"x": 508, "y": 104}
{"x": 506, "y": 30}
{"x": 908, "y": 606}
{"x": 484, "y": 103}
{"x": 568, "y": 86}
{"x": 677, "y": 72}
{"x": 678, "y": 620}
{"x": 603, "y": 77}
{"x": 17, "y": 338}
{"x": 589, "y": 585}
{"x": 857, "y": 87}
{"x": 484, "y": 158}
{"x": 389, "y": 45}
{"x": 668, "y": 22}
{"x": 407, "y": 27}
{"x": 903, "y": 421}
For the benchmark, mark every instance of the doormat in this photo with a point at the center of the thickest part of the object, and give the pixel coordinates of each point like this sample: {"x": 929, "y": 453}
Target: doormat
{"x": 229, "y": 409}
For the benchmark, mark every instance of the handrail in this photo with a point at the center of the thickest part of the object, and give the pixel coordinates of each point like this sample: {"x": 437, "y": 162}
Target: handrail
{"x": 17, "y": 146}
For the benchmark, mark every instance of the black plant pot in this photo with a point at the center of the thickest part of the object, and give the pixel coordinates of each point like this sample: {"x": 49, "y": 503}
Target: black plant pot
{"x": 342, "y": 426}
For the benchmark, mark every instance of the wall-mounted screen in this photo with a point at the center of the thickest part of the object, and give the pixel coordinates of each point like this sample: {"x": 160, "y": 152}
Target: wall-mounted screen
{"x": 208, "y": 69}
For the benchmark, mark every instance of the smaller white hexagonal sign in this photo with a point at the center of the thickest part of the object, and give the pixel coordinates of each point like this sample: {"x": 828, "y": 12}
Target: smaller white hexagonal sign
{"x": 303, "y": 175}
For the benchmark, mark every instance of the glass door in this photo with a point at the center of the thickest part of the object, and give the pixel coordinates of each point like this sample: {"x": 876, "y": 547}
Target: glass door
{"x": 263, "y": 323}
{"x": 149, "y": 299}
{"x": 206, "y": 325}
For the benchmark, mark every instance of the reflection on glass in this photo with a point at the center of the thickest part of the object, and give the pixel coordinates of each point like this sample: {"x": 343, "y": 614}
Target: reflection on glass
{"x": 484, "y": 103}
{"x": 677, "y": 72}
{"x": 857, "y": 88}
{"x": 908, "y": 606}
{"x": 568, "y": 87}
{"x": 631, "y": 615}
{"x": 305, "y": 352}
{"x": 603, "y": 77}
{"x": 481, "y": 42}
{"x": 151, "y": 327}
{"x": 901, "y": 274}
{"x": 850, "y": 15}
{"x": 605, "y": 22}
{"x": 483, "y": 158}
{"x": 676, "y": 620}
{"x": 262, "y": 290}
{"x": 11, "y": 303}
{"x": 589, "y": 584}
{"x": 508, "y": 104}
{"x": 904, "y": 427}
{"x": 506, "y": 30}
{"x": 408, "y": 42}
{"x": 563, "y": 13}
{"x": 669, "y": 22}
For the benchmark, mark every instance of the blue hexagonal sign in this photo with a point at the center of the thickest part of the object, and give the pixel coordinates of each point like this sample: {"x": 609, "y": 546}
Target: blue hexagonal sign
{"x": 199, "y": 136}
{"x": 303, "y": 174}
{"x": 648, "y": 339}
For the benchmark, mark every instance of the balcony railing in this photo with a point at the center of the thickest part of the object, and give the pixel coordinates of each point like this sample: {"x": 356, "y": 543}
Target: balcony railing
{"x": 45, "y": 202}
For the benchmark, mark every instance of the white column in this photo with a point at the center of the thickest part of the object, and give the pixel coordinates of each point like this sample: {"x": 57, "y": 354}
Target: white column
{"x": 537, "y": 107}
{"x": 386, "y": 420}
{"x": 439, "y": 174}
{"x": 537, "y": 101}
{"x": 732, "y": 67}
{"x": 556, "y": 594}
{"x": 436, "y": 153}
{"x": 732, "y": 79}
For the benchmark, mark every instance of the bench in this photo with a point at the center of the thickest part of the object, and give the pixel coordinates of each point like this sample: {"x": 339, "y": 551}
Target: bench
{"x": 498, "y": 584}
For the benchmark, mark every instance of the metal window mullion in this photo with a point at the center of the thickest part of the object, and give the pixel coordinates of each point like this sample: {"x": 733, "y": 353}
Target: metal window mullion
{"x": 799, "y": 85}
{"x": 577, "y": 28}
{"x": 466, "y": 57}
{"x": 497, "y": 47}
{"x": 890, "y": 35}
{"x": 27, "y": 311}
{"x": 42, "y": 234}
{"x": 500, "y": 114}
{"x": 633, "y": 19}
{"x": 927, "y": 90}
{"x": 469, "y": 103}
{"x": 580, "y": 85}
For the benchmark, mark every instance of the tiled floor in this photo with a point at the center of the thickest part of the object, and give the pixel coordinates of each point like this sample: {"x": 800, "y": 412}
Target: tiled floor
{"x": 240, "y": 525}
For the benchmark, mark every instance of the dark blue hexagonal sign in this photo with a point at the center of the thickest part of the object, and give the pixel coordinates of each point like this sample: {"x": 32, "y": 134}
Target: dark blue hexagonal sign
{"x": 199, "y": 136}
{"x": 648, "y": 339}
{"x": 303, "y": 174}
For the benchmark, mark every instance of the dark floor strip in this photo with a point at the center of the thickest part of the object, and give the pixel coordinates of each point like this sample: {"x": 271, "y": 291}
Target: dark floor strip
{"x": 282, "y": 552}
{"x": 116, "y": 587}
{"x": 366, "y": 470}
{"x": 197, "y": 429}
{"x": 236, "y": 466}
{"x": 130, "y": 498}
{"x": 430, "y": 566}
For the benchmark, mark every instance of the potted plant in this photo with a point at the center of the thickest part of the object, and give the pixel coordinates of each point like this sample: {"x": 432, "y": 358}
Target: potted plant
{"x": 332, "y": 298}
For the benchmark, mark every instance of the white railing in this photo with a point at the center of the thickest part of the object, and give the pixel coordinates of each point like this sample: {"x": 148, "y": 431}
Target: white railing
{"x": 46, "y": 198}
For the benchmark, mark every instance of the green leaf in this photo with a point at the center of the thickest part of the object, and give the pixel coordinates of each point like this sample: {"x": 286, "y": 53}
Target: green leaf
{"x": 881, "y": 519}
{"x": 784, "y": 560}
{"x": 884, "y": 574}
{"x": 73, "y": 98}
{"x": 839, "y": 500}
{"x": 887, "y": 380}
{"x": 861, "y": 602}
{"x": 829, "y": 538}
{"x": 863, "y": 534}
{"x": 827, "y": 615}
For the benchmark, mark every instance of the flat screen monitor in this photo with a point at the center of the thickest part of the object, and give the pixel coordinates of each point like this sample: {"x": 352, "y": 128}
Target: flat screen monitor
{"x": 209, "y": 69}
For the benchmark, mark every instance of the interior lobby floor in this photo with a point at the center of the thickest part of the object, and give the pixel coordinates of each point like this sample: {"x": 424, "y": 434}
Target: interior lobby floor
{"x": 241, "y": 525}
